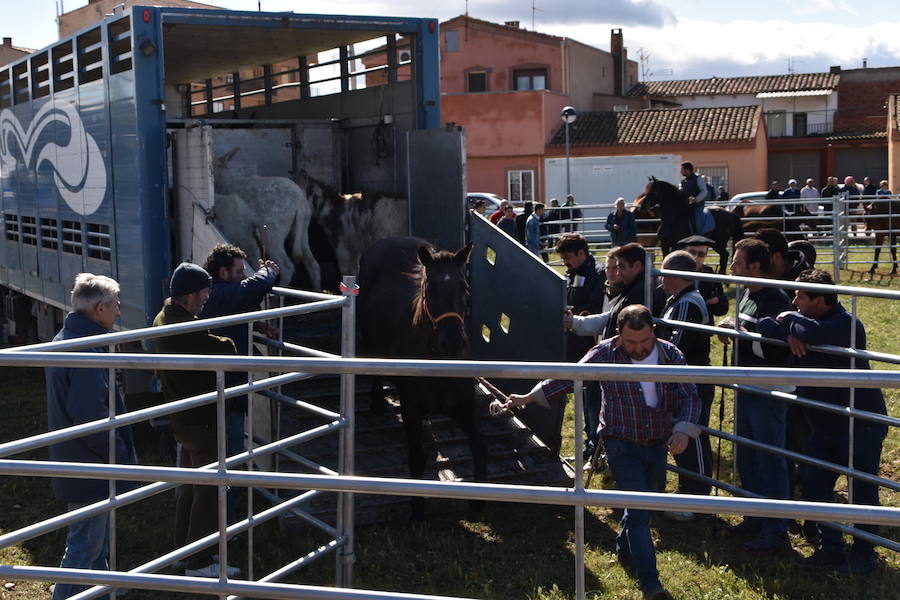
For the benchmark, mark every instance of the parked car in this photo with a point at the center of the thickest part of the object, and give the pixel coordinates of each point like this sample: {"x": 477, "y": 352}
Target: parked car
{"x": 743, "y": 198}
{"x": 491, "y": 201}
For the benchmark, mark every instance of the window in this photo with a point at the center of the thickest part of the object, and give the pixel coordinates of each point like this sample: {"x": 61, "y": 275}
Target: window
{"x": 476, "y": 81}
{"x": 530, "y": 79}
{"x": 72, "y": 232}
{"x": 800, "y": 124}
{"x": 715, "y": 176}
{"x": 521, "y": 186}
{"x": 776, "y": 123}
{"x": 451, "y": 41}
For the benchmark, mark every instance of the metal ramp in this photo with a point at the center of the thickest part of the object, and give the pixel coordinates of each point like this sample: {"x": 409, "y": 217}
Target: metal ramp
{"x": 515, "y": 454}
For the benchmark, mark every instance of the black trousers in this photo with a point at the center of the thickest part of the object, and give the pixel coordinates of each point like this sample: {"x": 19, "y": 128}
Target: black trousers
{"x": 697, "y": 457}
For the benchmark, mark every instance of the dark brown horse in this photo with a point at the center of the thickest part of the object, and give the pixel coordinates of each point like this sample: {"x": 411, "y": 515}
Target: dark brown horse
{"x": 411, "y": 305}
{"x": 674, "y": 219}
{"x": 880, "y": 218}
{"x": 755, "y": 216}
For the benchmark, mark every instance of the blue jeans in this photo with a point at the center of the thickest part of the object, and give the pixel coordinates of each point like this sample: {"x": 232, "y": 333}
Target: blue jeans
{"x": 818, "y": 484}
{"x": 87, "y": 547}
{"x": 638, "y": 468}
{"x": 591, "y": 401}
{"x": 763, "y": 420}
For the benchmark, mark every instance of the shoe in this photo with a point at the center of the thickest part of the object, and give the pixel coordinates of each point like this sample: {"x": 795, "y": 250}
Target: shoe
{"x": 767, "y": 543}
{"x": 676, "y": 515}
{"x": 212, "y": 570}
{"x": 858, "y": 564}
{"x": 745, "y": 527}
{"x": 824, "y": 559}
{"x": 810, "y": 532}
{"x": 658, "y": 593}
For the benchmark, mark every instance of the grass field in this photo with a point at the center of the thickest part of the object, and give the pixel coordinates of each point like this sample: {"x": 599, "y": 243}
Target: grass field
{"x": 508, "y": 552}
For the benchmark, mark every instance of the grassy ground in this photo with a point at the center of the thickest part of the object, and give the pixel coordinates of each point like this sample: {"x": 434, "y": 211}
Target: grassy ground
{"x": 510, "y": 551}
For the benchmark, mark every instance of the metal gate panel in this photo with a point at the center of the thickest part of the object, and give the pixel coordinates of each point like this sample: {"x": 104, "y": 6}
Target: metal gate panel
{"x": 517, "y": 310}
{"x": 436, "y": 164}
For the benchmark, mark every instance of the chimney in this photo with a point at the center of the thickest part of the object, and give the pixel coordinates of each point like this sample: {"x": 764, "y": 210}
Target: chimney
{"x": 620, "y": 58}
{"x": 7, "y": 41}
{"x": 865, "y": 63}
{"x": 512, "y": 24}
{"x": 835, "y": 70}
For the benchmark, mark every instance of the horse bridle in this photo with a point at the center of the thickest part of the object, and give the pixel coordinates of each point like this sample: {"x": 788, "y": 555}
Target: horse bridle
{"x": 447, "y": 315}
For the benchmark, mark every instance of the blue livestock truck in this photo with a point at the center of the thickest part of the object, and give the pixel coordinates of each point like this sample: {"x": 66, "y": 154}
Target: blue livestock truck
{"x": 108, "y": 139}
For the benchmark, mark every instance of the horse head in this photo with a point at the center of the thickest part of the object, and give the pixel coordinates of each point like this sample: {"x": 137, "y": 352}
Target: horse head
{"x": 441, "y": 301}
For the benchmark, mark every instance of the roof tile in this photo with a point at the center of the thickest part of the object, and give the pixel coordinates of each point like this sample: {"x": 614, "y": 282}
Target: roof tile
{"x": 726, "y": 86}
{"x": 662, "y": 126}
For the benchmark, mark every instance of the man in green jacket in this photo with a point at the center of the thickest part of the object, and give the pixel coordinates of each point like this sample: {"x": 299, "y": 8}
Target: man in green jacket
{"x": 195, "y": 429}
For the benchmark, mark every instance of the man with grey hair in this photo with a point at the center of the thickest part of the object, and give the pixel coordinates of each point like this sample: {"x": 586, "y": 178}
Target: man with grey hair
{"x": 80, "y": 395}
{"x": 620, "y": 225}
{"x": 686, "y": 304}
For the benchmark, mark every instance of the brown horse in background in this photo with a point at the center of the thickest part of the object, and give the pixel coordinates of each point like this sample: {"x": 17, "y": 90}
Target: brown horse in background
{"x": 879, "y": 218}
{"x": 772, "y": 216}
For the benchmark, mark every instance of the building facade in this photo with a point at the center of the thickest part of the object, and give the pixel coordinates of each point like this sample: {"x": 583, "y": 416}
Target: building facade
{"x": 10, "y": 53}
{"x": 507, "y": 87}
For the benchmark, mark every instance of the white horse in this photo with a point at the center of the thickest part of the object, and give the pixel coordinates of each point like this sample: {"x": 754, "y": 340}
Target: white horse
{"x": 354, "y": 222}
{"x": 262, "y": 214}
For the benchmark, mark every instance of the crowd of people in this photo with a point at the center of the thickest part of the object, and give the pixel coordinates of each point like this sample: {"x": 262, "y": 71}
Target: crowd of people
{"x": 80, "y": 395}
{"x": 635, "y": 422}
{"x": 809, "y": 197}
{"x": 611, "y": 319}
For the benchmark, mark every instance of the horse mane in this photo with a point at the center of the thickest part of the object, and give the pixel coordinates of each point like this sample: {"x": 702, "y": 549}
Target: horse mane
{"x": 417, "y": 276}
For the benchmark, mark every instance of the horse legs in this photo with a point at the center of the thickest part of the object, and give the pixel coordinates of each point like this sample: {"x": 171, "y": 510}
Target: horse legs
{"x": 893, "y": 242}
{"x": 878, "y": 241}
{"x": 723, "y": 257}
{"x": 376, "y": 396}
{"x": 465, "y": 417}
{"x": 412, "y": 425}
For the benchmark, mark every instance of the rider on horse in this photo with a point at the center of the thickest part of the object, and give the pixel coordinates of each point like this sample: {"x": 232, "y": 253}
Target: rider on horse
{"x": 694, "y": 187}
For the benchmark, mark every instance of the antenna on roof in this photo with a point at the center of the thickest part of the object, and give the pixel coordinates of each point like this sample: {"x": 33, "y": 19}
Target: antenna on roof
{"x": 646, "y": 73}
{"x": 792, "y": 64}
{"x": 534, "y": 9}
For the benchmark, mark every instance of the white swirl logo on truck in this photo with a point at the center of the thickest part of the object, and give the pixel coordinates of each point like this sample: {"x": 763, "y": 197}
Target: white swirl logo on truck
{"x": 78, "y": 167}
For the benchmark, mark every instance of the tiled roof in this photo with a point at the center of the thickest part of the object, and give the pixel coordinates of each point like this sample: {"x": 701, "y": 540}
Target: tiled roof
{"x": 726, "y": 86}
{"x": 662, "y": 126}
{"x": 461, "y": 19}
{"x": 871, "y": 135}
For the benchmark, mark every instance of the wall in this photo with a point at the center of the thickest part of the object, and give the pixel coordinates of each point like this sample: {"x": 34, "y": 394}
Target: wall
{"x": 97, "y": 10}
{"x": 500, "y": 49}
{"x": 9, "y": 53}
{"x": 591, "y": 71}
{"x": 746, "y": 161}
{"x": 863, "y": 94}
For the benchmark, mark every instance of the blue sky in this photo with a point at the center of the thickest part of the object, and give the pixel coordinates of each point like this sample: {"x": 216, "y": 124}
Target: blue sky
{"x": 693, "y": 38}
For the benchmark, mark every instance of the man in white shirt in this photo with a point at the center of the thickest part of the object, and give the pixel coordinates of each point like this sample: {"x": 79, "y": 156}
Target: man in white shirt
{"x": 809, "y": 194}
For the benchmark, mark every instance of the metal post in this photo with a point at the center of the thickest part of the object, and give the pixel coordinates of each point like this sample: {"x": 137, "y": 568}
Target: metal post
{"x": 111, "y": 441}
{"x": 222, "y": 488}
{"x": 249, "y": 447}
{"x": 578, "y": 391}
{"x": 851, "y": 444}
{"x": 836, "y": 238}
{"x": 346, "y": 554}
{"x": 568, "y": 175}
{"x": 734, "y": 363}
{"x": 648, "y": 278}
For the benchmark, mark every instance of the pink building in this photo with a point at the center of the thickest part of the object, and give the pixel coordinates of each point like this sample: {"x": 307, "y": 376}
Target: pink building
{"x": 507, "y": 86}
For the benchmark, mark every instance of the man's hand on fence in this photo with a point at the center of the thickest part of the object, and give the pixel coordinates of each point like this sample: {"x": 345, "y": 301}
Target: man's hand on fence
{"x": 678, "y": 443}
{"x": 798, "y": 347}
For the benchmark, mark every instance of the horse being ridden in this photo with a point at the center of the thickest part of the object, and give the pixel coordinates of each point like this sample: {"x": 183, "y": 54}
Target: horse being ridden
{"x": 675, "y": 215}
{"x": 411, "y": 303}
{"x": 880, "y": 218}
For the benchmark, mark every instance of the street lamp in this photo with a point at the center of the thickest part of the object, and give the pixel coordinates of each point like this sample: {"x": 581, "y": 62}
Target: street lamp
{"x": 568, "y": 115}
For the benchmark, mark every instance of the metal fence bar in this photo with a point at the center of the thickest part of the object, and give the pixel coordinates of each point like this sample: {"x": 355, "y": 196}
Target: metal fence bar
{"x": 293, "y": 348}
{"x": 32, "y": 531}
{"x": 578, "y": 391}
{"x": 466, "y": 368}
{"x": 307, "y": 406}
{"x": 60, "y": 435}
{"x": 247, "y": 524}
{"x": 202, "y": 585}
{"x": 346, "y": 554}
{"x": 222, "y": 452}
{"x": 314, "y": 521}
{"x": 495, "y": 492}
{"x": 737, "y": 491}
{"x": 305, "y": 462}
{"x": 146, "y": 333}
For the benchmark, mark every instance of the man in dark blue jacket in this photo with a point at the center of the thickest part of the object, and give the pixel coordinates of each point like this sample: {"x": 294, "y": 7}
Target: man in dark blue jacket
{"x": 76, "y": 396}
{"x": 229, "y": 294}
{"x": 621, "y": 225}
{"x": 820, "y": 319}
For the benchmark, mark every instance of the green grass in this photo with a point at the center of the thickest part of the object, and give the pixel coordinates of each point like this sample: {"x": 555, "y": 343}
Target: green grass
{"x": 510, "y": 551}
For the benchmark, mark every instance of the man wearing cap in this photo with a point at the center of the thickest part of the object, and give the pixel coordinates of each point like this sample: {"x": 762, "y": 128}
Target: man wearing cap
{"x": 791, "y": 192}
{"x": 195, "y": 429}
{"x": 620, "y": 225}
{"x": 712, "y": 292}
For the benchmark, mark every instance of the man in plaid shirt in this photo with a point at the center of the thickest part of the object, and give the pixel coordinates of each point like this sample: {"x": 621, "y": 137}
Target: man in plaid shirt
{"x": 636, "y": 424}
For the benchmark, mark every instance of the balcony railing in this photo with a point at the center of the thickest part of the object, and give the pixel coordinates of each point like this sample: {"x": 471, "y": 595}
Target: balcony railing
{"x": 813, "y": 123}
